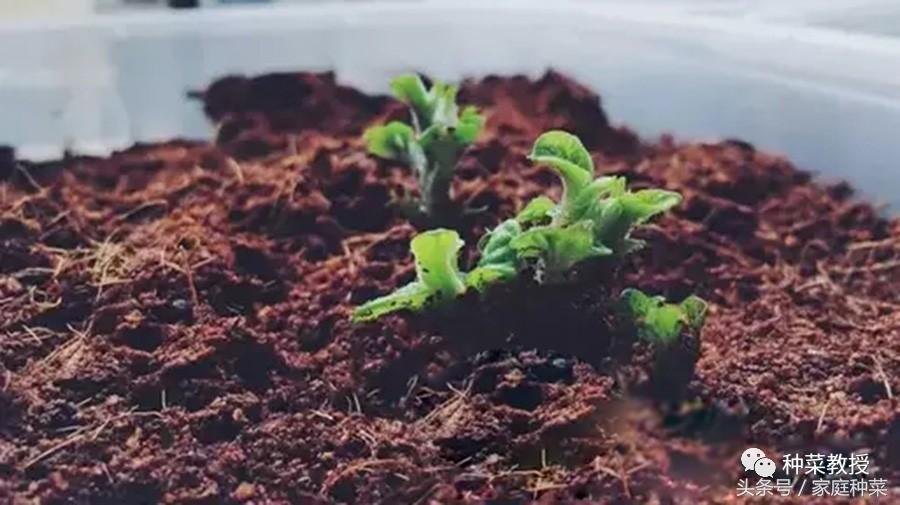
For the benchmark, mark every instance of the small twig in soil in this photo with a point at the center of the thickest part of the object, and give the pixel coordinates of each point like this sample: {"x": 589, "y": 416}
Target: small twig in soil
{"x": 323, "y": 415}
{"x": 622, "y": 475}
{"x": 356, "y": 403}
{"x": 875, "y": 267}
{"x": 105, "y": 469}
{"x": 103, "y": 426}
{"x": 463, "y": 462}
{"x": 84, "y": 402}
{"x": 351, "y": 259}
{"x": 21, "y": 168}
{"x": 370, "y": 440}
{"x": 33, "y": 334}
{"x": 448, "y": 413}
{"x": 41, "y": 305}
{"x": 80, "y": 434}
{"x": 879, "y": 369}
{"x": 410, "y": 389}
{"x": 236, "y": 168}
{"x": 109, "y": 263}
{"x": 146, "y": 205}
{"x": 364, "y": 465}
{"x": 545, "y": 479}
{"x": 66, "y": 429}
{"x": 68, "y": 349}
{"x": 59, "y": 217}
{"x": 71, "y": 439}
{"x": 872, "y": 244}
{"x": 821, "y": 421}
{"x": 431, "y": 488}
{"x": 187, "y": 270}
{"x": 192, "y": 286}
{"x": 30, "y": 271}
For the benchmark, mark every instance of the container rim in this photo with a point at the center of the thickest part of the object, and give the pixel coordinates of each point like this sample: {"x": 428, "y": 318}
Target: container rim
{"x": 242, "y": 18}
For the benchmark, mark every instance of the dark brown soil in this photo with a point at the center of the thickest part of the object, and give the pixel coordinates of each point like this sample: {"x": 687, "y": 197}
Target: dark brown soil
{"x": 174, "y": 319}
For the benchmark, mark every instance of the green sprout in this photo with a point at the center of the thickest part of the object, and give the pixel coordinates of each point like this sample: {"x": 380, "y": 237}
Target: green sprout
{"x": 594, "y": 218}
{"x": 432, "y": 146}
{"x": 660, "y": 322}
{"x": 438, "y": 278}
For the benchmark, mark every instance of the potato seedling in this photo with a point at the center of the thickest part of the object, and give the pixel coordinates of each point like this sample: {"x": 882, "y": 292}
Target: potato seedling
{"x": 438, "y": 278}
{"x": 432, "y": 145}
{"x": 673, "y": 330}
{"x": 662, "y": 323}
{"x": 594, "y": 218}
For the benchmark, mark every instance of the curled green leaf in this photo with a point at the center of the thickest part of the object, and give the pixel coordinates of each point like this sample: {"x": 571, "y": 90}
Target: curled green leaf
{"x": 444, "y": 110}
{"x": 391, "y": 141}
{"x": 566, "y": 154}
{"x": 538, "y": 210}
{"x": 498, "y": 261}
{"x": 437, "y": 261}
{"x": 494, "y": 245}
{"x": 695, "y": 310}
{"x": 558, "y": 249}
{"x": 469, "y": 126}
{"x": 591, "y": 200}
{"x": 660, "y": 322}
{"x": 484, "y": 276}
{"x": 413, "y": 297}
{"x": 409, "y": 89}
{"x": 438, "y": 277}
{"x": 646, "y": 203}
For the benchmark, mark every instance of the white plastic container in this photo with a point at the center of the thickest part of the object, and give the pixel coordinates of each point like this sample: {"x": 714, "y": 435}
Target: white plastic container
{"x": 829, "y": 100}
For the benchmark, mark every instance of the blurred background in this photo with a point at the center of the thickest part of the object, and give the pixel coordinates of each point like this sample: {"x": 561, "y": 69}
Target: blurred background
{"x": 868, "y": 16}
{"x": 816, "y": 80}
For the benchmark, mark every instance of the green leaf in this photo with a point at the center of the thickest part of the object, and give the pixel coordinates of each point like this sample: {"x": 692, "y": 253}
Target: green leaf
{"x": 558, "y": 249}
{"x": 694, "y": 309}
{"x": 655, "y": 321}
{"x": 469, "y": 125}
{"x": 444, "y": 110}
{"x": 414, "y": 296}
{"x": 660, "y": 322}
{"x": 432, "y": 145}
{"x": 498, "y": 261}
{"x": 646, "y": 203}
{"x": 615, "y": 216}
{"x": 591, "y": 200}
{"x": 567, "y": 156}
{"x": 391, "y": 141}
{"x": 437, "y": 267}
{"x": 638, "y": 303}
{"x": 409, "y": 89}
{"x": 611, "y": 225}
{"x": 563, "y": 146}
{"x": 494, "y": 245}
{"x": 436, "y": 177}
{"x": 537, "y": 210}
{"x": 664, "y": 323}
{"x": 482, "y": 277}
{"x": 436, "y": 254}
